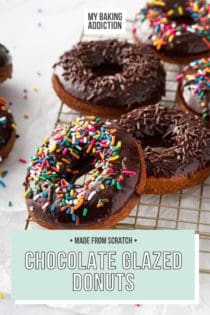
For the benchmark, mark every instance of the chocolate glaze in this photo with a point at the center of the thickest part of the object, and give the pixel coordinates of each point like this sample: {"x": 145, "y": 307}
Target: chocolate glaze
{"x": 6, "y": 126}
{"x": 169, "y": 4}
{"x": 114, "y": 199}
{"x": 175, "y": 144}
{"x": 4, "y": 56}
{"x": 112, "y": 73}
{"x": 186, "y": 17}
{"x": 187, "y": 42}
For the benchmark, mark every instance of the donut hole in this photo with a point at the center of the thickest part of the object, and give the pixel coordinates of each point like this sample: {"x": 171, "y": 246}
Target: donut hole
{"x": 94, "y": 214}
{"x": 87, "y": 168}
{"x": 155, "y": 142}
{"x": 156, "y": 139}
{"x": 106, "y": 69}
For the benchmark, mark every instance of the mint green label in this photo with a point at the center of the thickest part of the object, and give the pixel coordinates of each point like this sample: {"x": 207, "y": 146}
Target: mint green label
{"x": 103, "y": 265}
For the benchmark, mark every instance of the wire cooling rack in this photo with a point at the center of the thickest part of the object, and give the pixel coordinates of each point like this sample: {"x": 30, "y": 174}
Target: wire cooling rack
{"x": 187, "y": 209}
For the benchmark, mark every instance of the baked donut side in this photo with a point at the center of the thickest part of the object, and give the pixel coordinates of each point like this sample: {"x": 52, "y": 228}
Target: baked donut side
{"x": 109, "y": 77}
{"x": 178, "y": 30}
{"x": 7, "y": 130}
{"x": 176, "y": 147}
{"x": 162, "y": 185}
{"x": 57, "y": 197}
{"x": 5, "y": 64}
{"x": 83, "y": 107}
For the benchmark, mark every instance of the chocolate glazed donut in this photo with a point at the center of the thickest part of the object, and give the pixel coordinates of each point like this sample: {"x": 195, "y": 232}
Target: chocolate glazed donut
{"x": 7, "y": 130}
{"x": 5, "y": 64}
{"x": 178, "y": 29}
{"x": 116, "y": 176}
{"x": 176, "y": 146}
{"x": 108, "y": 78}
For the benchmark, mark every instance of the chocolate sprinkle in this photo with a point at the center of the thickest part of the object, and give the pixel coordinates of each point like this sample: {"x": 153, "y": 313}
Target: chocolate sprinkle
{"x": 112, "y": 73}
{"x": 174, "y": 143}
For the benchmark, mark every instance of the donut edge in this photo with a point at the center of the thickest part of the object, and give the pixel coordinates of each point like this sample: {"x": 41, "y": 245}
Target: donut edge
{"x": 162, "y": 185}
{"x": 6, "y": 72}
{"x": 6, "y": 149}
{"x": 182, "y": 60}
{"x": 83, "y": 107}
{"x": 114, "y": 218}
{"x": 182, "y": 104}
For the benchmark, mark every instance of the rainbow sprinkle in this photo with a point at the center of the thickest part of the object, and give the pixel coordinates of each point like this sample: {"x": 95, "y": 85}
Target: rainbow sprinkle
{"x": 164, "y": 24}
{"x": 198, "y": 74}
{"x": 23, "y": 161}
{"x": 87, "y": 145}
{"x": 2, "y": 184}
{"x": 2, "y": 296}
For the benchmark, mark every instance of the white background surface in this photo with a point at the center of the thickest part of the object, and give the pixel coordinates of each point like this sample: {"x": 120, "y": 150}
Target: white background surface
{"x": 36, "y": 33}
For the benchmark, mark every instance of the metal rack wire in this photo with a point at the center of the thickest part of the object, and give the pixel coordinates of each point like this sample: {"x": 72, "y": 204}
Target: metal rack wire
{"x": 187, "y": 209}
